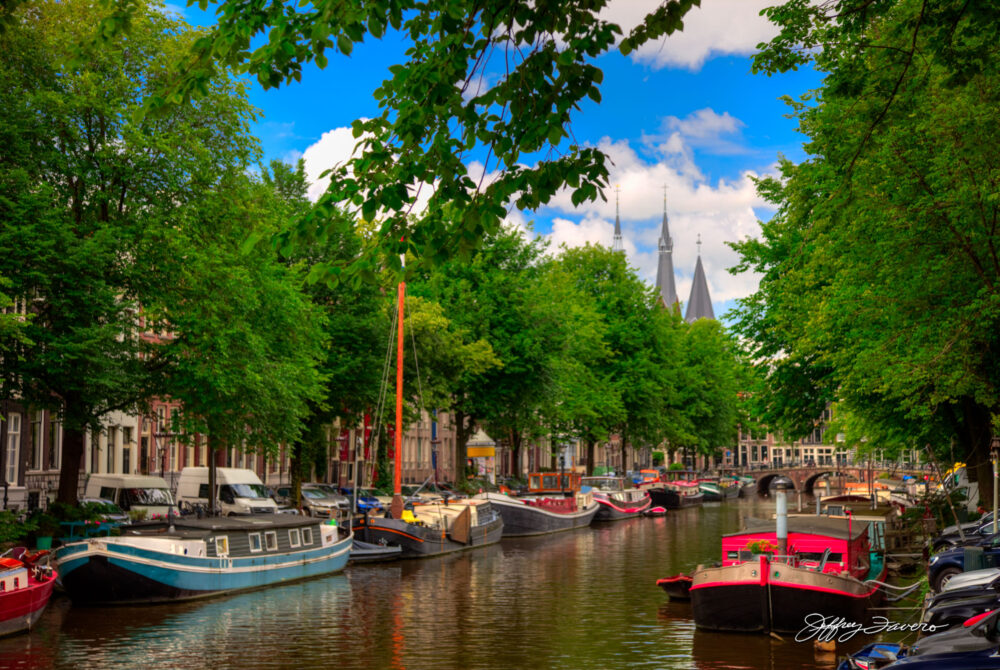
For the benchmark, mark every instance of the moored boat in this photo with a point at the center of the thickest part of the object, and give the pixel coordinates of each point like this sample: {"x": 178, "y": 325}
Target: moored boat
{"x": 198, "y": 558}
{"x": 552, "y": 504}
{"x": 25, "y": 588}
{"x": 616, "y": 501}
{"x": 363, "y": 552}
{"x": 434, "y": 528}
{"x": 828, "y": 571}
{"x": 677, "y": 587}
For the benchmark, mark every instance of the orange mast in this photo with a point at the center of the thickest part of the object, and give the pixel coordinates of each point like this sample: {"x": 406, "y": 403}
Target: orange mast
{"x": 397, "y": 497}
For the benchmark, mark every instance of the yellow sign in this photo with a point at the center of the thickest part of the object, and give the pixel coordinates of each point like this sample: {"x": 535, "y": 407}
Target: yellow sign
{"x": 481, "y": 452}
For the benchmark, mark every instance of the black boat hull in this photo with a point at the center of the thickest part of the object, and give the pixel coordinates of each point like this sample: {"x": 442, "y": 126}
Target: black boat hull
{"x": 417, "y": 541}
{"x": 738, "y": 599}
{"x": 670, "y": 499}
{"x": 520, "y": 520}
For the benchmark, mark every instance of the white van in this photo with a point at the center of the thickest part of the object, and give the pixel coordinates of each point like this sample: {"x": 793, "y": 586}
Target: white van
{"x": 240, "y": 491}
{"x": 133, "y": 492}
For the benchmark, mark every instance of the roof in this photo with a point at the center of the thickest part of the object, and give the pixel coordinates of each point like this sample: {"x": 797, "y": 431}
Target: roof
{"x": 665, "y": 264}
{"x": 700, "y": 304}
{"x": 815, "y": 525}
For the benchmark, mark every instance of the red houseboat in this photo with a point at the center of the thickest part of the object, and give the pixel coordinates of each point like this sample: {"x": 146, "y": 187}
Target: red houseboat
{"x": 25, "y": 589}
{"x": 827, "y": 570}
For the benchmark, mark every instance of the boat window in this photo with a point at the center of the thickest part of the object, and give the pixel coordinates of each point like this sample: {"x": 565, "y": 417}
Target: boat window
{"x": 550, "y": 481}
{"x": 222, "y": 546}
{"x": 293, "y": 537}
{"x": 271, "y": 540}
{"x": 536, "y": 482}
{"x": 307, "y": 536}
{"x": 732, "y": 555}
{"x": 255, "y": 545}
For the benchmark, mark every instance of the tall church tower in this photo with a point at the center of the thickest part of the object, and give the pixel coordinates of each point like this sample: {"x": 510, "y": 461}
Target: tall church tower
{"x": 665, "y": 263}
{"x": 617, "y": 244}
{"x": 700, "y": 304}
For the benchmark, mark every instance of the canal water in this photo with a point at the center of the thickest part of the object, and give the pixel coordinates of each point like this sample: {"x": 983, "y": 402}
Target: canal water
{"x": 577, "y": 600}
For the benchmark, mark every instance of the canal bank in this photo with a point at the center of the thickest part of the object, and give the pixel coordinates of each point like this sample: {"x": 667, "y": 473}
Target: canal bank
{"x": 581, "y": 599}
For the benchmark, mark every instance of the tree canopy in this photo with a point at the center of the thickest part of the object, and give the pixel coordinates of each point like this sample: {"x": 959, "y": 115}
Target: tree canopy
{"x": 880, "y": 269}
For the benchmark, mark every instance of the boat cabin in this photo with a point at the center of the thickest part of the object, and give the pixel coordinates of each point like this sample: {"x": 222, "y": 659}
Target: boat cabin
{"x": 553, "y": 482}
{"x": 606, "y": 484}
{"x": 831, "y": 545}
{"x": 879, "y": 520}
{"x": 13, "y": 575}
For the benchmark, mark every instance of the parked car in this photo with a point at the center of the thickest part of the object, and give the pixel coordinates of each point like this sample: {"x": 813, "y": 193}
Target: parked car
{"x": 367, "y": 500}
{"x": 972, "y": 532}
{"x": 107, "y": 510}
{"x": 952, "y": 607}
{"x": 317, "y": 501}
{"x": 950, "y": 562}
{"x": 971, "y": 578}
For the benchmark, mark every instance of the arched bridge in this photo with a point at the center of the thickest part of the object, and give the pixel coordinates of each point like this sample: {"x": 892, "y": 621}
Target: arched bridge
{"x": 805, "y": 478}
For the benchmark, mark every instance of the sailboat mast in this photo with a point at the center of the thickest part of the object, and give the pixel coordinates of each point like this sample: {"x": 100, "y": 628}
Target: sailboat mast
{"x": 397, "y": 498}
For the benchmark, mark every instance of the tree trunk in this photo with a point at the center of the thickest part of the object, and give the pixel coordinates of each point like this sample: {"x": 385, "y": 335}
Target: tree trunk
{"x": 295, "y": 470}
{"x": 463, "y": 431}
{"x": 977, "y": 437}
{"x": 212, "y": 478}
{"x": 69, "y": 468}
{"x": 591, "y": 448}
{"x": 624, "y": 437}
{"x": 515, "y": 453}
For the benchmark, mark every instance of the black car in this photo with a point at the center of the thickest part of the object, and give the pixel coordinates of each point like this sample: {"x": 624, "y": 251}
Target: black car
{"x": 951, "y": 608}
{"x": 972, "y": 531}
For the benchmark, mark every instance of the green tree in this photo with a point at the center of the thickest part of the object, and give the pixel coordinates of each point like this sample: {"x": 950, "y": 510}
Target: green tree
{"x": 640, "y": 370}
{"x": 87, "y": 194}
{"x": 244, "y": 339}
{"x": 489, "y": 298}
{"x": 355, "y": 325}
{"x": 879, "y": 268}
{"x": 437, "y": 113}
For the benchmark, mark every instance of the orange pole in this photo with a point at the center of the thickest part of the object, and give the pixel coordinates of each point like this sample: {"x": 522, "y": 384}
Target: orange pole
{"x": 398, "y": 476}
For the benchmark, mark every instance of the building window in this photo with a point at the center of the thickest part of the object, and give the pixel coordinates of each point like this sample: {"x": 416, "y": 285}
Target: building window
{"x": 112, "y": 434}
{"x": 37, "y": 439}
{"x": 55, "y": 444}
{"x": 13, "y": 447}
{"x": 95, "y": 451}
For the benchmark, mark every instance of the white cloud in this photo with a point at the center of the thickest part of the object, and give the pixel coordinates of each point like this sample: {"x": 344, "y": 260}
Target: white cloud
{"x": 334, "y": 148}
{"x": 720, "y": 212}
{"x": 717, "y": 28}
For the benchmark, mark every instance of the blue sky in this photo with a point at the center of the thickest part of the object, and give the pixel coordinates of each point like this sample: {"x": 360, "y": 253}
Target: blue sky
{"x": 684, "y": 112}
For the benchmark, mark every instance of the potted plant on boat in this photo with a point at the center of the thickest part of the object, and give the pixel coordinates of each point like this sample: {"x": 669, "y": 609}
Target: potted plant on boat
{"x": 759, "y": 547}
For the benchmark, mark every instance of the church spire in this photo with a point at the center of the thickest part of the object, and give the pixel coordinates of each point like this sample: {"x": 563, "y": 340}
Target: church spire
{"x": 665, "y": 263}
{"x": 617, "y": 244}
{"x": 700, "y": 304}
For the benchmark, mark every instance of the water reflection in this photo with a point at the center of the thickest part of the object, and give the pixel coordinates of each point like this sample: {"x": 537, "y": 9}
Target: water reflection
{"x": 585, "y": 599}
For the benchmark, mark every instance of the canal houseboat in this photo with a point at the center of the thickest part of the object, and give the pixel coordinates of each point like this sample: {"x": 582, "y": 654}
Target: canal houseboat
{"x": 616, "y": 501}
{"x": 434, "y": 528}
{"x": 25, "y": 588}
{"x": 676, "y": 489}
{"x": 554, "y": 502}
{"x": 196, "y": 558}
{"x": 828, "y": 570}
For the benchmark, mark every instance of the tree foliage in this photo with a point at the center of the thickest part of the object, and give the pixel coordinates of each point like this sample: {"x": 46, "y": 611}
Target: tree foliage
{"x": 880, "y": 270}
{"x": 86, "y": 195}
{"x": 494, "y": 82}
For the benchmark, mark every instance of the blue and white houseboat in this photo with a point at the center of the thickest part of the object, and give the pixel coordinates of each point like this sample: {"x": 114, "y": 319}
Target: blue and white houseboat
{"x": 197, "y": 558}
